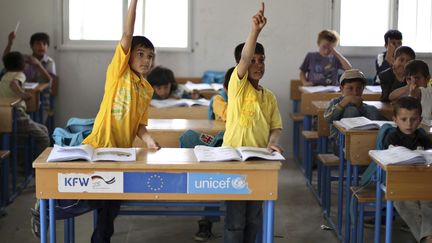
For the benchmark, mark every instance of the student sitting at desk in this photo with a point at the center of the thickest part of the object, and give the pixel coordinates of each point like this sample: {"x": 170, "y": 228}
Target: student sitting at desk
{"x": 417, "y": 76}
{"x": 407, "y": 116}
{"x": 218, "y": 103}
{"x": 11, "y": 86}
{"x": 394, "y": 77}
{"x": 321, "y": 68}
{"x": 384, "y": 60}
{"x": 122, "y": 116}
{"x": 350, "y": 104}
{"x": 165, "y": 85}
{"x": 253, "y": 119}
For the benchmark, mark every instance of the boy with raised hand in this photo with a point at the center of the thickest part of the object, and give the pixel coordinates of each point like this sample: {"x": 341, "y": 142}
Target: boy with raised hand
{"x": 253, "y": 119}
{"x": 122, "y": 116}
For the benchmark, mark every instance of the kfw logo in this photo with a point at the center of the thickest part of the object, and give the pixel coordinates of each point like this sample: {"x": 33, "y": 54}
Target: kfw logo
{"x": 76, "y": 181}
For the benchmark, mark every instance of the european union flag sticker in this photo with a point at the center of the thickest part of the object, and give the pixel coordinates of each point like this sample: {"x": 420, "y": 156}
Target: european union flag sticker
{"x": 155, "y": 182}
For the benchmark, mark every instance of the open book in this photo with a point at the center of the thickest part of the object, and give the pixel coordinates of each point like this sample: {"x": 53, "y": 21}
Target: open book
{"x": 321, "y": 89}
{"x": 374, "y": 88}
{"x": 206, "y": 153}
{"x": 203, "y": 86}
{"x": 361, "y": 123}
{"x": 179, "y": 102}
{"x": 402, "y": 155}
{"x": 30, "y": 85}
{"x": 87, "y": 152}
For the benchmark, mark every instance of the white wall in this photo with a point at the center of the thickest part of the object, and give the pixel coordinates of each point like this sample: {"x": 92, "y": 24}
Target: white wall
{"x": 218, "y": 26}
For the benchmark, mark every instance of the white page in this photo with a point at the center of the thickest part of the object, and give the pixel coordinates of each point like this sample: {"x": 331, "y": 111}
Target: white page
{"x": 59, "y": 153}
{"x": 250, "y": 152}
{"x": 374, "y": 88}
{"x": 321, "y": 89}
{"x": 206, "y": 153}
{"x": 30, "y": 85}
{"x": 217, "y": 86}
{"x": 198, "y": 86}
{"x": 114, "y": 154}
{"x": 397, "y": 155}
{"x": 355, "y": 122}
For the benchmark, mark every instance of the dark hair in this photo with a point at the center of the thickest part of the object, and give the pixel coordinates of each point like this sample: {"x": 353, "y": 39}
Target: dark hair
{"x": 417, "y": 67}
{"x": 328, "y": 35}
{"x": 14, "y": 61}
{"x": 259, "y": 49}
{"x": 393, "y": 35}
{"x": 227, "y": 77}
{"x": 141, "y": 41}
{"x": 159, "y": 76}
{"x": 40, "y": 36}
{"x": 404, "y": 50}
{"x": 406, "y": 102}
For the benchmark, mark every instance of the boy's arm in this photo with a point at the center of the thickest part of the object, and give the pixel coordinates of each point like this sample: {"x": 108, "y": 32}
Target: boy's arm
{"x": 273, "y": 144}
{"x": 147, "y": 138}
{"x": 35, "y": 62}
{"x": 258, "y": 23}
{"x": 399, "y": 92}
{"x": 8, "y": 47}
{"x": 126, "y": 40}
{"x": 17, "y": 89}
{"x": 304, "y": 80}
{"x": 334, "y": 111}
{"x": 345, "y": 63}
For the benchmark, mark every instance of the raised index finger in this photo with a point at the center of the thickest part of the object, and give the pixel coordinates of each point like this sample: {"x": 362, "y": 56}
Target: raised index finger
{"x": 262, "y": 7}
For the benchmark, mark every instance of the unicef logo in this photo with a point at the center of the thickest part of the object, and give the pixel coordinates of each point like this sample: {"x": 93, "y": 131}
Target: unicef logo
{"x": 238, "y": 183}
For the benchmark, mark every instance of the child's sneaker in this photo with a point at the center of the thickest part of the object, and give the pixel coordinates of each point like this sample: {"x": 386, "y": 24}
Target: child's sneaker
{"x": 204, "y": 233}
{"x": 35, "y": 219}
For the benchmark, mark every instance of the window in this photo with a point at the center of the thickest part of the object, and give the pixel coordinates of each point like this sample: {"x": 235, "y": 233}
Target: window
{"x": 362, "y": 23}
{"x": 99, "y": 23}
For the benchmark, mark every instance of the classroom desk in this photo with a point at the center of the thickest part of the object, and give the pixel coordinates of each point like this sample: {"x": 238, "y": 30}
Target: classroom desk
{"x": 167, "y": 131}
{"x": 295, "y": 94}
{"x": 399, "y": 183}
{"x": 185, "y": 178}
{"x": 194, "y": 112}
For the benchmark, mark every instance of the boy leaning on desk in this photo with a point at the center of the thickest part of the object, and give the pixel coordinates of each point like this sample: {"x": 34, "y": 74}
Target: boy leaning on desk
{"x": 123, "y": 114}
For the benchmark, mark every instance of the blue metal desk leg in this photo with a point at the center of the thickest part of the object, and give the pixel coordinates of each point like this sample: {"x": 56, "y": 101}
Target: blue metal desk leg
{"x": 389, "y": 221}
{"x": 52, "y": 221}
{"x": 340, "y": 183}
{"x": 378, "y": 206}
{"x": 268, "y": 217}
{"x": 43, "y": 220}
{"x": 347, "y": 202}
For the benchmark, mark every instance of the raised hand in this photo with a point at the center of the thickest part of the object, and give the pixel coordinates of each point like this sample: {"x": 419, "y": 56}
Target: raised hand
{"x": 259, "y": 20}
{"x": 11, "y": 36}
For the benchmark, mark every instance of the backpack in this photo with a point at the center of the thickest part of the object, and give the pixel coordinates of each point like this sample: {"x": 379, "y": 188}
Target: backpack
{"x": 210, "y": 77}
{"x": 77, "y": 129}
{"x": 191, "y": 138}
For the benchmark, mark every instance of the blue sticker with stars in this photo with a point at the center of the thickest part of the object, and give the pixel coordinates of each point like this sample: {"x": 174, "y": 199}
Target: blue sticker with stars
{"x": 155, "y": 182}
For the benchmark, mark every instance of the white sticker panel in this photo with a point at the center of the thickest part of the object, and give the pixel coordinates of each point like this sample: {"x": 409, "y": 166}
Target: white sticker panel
{"x": 99, "y": 182}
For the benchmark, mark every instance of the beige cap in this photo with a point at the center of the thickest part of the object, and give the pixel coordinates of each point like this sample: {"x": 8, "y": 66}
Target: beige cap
{"x": 353, "y": 74}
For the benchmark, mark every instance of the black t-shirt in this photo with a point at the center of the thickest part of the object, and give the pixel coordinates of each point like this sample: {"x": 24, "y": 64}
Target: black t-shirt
{"x": 389, "y": 83}
{"x": 398, "y": 138}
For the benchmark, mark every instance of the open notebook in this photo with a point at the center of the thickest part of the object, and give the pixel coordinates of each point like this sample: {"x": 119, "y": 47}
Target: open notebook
{"x": 361, "y": 123}
{"x": 206, "y": 153}
{"x": 179, "y": 102}
{"x": 87, "y": 152}
{"x": 401, "y": 155}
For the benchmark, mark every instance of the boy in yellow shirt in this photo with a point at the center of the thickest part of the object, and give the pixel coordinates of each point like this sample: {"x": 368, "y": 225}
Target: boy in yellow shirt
{"x": 253, "y": 119}
{"x": 122, "y": 116}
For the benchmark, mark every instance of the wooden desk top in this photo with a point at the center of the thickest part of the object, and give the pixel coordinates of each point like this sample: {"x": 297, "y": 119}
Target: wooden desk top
{"x": 9, "y": 101}
{"x": 146, "y": 178}
{"x": 166, "y": 125}
{"x": 407, "y": 182}
{"x": 194, "y": 112}
{"x": 39, "y": 88}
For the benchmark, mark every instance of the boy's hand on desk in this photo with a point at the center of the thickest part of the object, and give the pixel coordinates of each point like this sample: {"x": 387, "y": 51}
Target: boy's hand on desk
{"x": 271, "y": 147}
{"x": 152, "y": 144}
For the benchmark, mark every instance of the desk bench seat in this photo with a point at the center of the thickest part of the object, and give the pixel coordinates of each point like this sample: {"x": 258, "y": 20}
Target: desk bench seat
{"x": 328, "y": 159}
{"x": 309, "y": 135}
{"x": 296, "y": 117}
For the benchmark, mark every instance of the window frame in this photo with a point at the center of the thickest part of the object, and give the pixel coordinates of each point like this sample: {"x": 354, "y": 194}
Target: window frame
{"x": 64, "y": 43}
{"x": 362, "y": 51}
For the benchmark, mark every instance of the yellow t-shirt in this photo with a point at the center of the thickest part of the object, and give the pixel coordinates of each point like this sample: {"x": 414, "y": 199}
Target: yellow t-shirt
{"x": 251, "y": 114}
{"x": 124, "y": 106}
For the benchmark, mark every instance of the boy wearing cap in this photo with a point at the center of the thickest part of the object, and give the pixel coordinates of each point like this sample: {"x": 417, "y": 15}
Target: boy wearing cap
{"x": 350, "y": 104}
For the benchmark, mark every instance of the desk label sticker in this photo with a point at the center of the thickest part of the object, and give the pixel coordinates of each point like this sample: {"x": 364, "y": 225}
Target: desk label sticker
{"x": 217, "y": 183}
{"x": 155, "y": 182}
{"x": 98, "y": 182}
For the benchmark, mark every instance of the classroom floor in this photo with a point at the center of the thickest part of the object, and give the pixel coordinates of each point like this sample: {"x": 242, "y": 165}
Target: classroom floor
{"x": 298, "y": 220}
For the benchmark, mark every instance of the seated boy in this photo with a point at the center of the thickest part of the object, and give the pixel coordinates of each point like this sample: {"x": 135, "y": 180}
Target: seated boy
{"x": 11, "y": 87}
{"x": 166, "y": 87}
{"x": 321, "y": 67}
{"x": 394, "y": 77}
{"x": 407, "y": 116}
{"x": 218, "y": 103}
{"x": 350, "y": 104}
{"x": 392, "y": 40}
{"x": 417, "y": 76}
